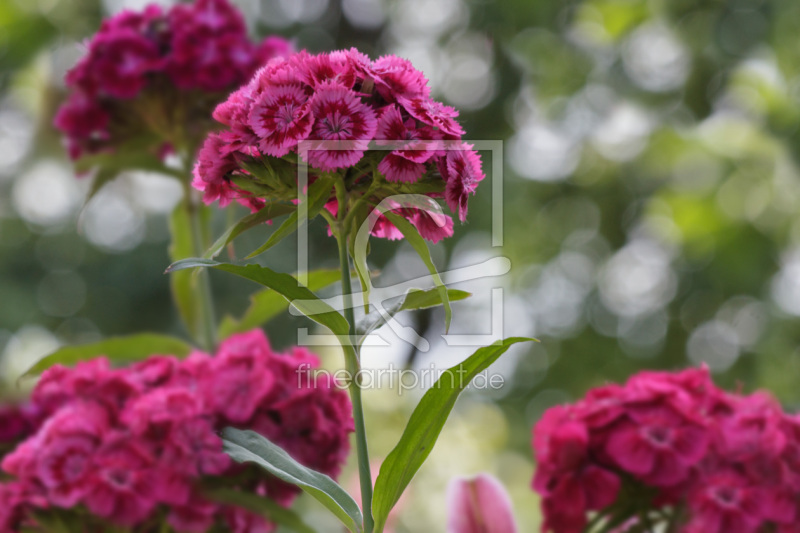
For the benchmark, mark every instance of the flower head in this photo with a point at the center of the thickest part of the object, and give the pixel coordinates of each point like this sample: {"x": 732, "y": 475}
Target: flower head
{"x": 341, "y": 113}
{"x": 126, "y": 443}
{"x": 157, "y": 61}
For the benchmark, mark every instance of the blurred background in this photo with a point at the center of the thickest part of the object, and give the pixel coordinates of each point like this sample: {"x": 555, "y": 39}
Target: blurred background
{"x": 651, "y": 205}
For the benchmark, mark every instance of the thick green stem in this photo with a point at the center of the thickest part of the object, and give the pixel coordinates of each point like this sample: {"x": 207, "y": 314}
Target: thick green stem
{"x": 206, "y": 324}
{"x": 353, "y": 367}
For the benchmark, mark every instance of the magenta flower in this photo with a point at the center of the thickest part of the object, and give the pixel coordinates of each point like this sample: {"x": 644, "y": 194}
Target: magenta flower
{"x": 122, "y": 483}
{"x": 340, "y": 102}
{"x": 658, "y": 446}
{"x": 462, "y": 169}
{"x": 720, "y": 462}
{"x": 150, "y": 57}
{"x": 726, "y": 502}
{"x": 281, "y": 116}
{"x": 479, "y": 505}
{"x": 340, "y": 115}
{"x": 127, "y": 443}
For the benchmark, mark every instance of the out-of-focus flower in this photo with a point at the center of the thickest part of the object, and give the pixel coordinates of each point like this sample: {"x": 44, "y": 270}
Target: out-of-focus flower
{"x": 127, "y": 442}
{"x": 721, "y": 462}
{"x": 479, "y": 505}
{"x": 150, "y": 78}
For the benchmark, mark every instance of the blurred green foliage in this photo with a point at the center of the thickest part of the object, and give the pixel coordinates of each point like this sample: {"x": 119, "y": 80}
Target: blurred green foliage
{"x": 651, "y": 179}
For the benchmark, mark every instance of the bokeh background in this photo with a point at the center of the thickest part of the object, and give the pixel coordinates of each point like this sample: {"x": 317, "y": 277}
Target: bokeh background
{"x": 651, "y": 206}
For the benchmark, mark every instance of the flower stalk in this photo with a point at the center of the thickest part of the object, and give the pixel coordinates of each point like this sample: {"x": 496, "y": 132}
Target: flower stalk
{"x": 353, "y": 365}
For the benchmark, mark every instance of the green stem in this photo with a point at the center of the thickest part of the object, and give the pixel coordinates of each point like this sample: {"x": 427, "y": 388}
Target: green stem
{"x": 207, "y": 324}
{"x": 353, "y": 366}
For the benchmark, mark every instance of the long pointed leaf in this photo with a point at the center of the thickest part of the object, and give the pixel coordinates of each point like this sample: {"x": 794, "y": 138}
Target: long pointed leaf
{"x": 269, "y": 212}
{"x": 266, "y": 304}
{"x": 249, "y": 446}
{"x": 413, "y": 237}
{"x": 129, "y": 348}
{"x": 318, "y": 194}
{"x": 424, "y": 427}
{"x": 286, "y": 285}
{"x": 412, "y": 300}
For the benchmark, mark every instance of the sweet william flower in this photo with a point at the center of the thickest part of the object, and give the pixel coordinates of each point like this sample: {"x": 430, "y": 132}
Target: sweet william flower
{"x": 675, "y": 444}
{"x": 327, "y": 109}
{"x": 157, "y": 75}
{"x": 479, "y": 505}
{"x": 340, "y": 115}
{"x": 132, "y": 442}
{"x": 280, "y": 117}
{"x": 658, "y": 446}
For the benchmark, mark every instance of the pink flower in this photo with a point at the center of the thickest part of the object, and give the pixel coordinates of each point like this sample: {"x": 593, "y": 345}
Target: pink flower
{"x": 725, "y": 502}
{"x": 657, "y": 445}
{"x": 566, "y": 477}
{"x": 462, "y": 172}
{"x": 197, "y": 516}
{"x": 751, "y": 428}
{"x": 479, "y": 505}
{"x": 121, "y": 484}
{"x": 17, "y": 422}
{"x": 433, "y": 226}
{"x": 407, "y": 165}
{"x": 15, "y": 500}
{"x": 244, "y": 521}
{"x": 162, "y": 408}
{"x": 201, "y": 46}
{"x": 240, "y": 380}
{"x": 340, "y": 115}
{"x": 281, "y": 116}
{"x": 194, "y": 448}
{"x": 434, "y": 114}
{"x": 211, "y": 169}
{"x": 397, "y": 78}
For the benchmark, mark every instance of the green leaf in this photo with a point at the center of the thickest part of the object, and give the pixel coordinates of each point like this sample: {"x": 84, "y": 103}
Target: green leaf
{"x": 319, "y": 193}
{"x": 413, "y": 299}
{"x": 266, "y": 304}
{"x": 359, "y": 249}
{"x": 424, "y": 427}
{"x": 262, "y": 506}
{"x": 286, "y": 285}
{"x": 269, "y": 212}
{"x": 413, "y": 237}
{"x": 182, "y": 284}
{"x": 123, "y": 349}
{"x": 249, "y": 446}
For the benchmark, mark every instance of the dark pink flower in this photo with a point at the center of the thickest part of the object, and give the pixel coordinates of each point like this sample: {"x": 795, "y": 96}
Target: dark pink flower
{"x": 657, "y": 446}
{"x": 434, "y": 114}
{"x": 479, "y": 505}
{"x": 121, "y": 482}
{"x": 240, "y": 380}
{"x": 725, "y": 502}
{"x": 197, "y": 516}
{"x": 462, "y": 172}
{"x": 433, "y": 226}
{"x": 281, "y": 117}
{"x": 340, "y": 115}
{"x": 396, "y": 78}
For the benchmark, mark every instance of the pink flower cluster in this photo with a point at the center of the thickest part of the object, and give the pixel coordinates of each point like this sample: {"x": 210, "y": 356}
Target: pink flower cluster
{"x": 345, "y": 98}
{"x": 201, "y": 46}
{"x": 126, "y": 443}
{"x": 726, "y": 463}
